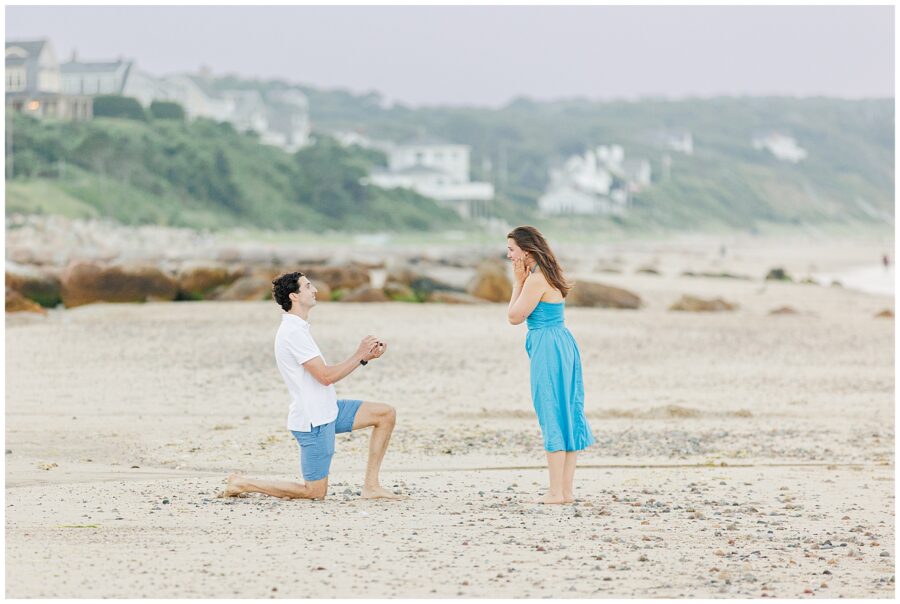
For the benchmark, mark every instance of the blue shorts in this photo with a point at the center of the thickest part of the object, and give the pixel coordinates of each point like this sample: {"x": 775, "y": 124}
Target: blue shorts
{"x": 317, "y": 445}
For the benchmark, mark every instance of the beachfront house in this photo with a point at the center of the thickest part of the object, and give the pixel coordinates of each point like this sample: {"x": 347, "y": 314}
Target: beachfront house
{"x": 288, "y": 119}
{"x": 600, "y": 181}
{"x": 681, "y": 141}
{"x": 782, "y": 146}
{"x": 437, "y": 169}
{"x": 34, "y": 83}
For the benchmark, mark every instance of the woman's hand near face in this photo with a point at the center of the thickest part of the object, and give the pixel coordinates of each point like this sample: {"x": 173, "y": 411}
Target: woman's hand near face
{"x": 520, "y": 273}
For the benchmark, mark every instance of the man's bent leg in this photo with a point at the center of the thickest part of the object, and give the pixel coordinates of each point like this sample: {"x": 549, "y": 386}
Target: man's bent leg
{"x": 314, "y": 489}
{"x": 382, "y": 418}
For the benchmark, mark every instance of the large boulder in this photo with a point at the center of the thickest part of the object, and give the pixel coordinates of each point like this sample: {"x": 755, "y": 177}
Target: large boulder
{"x": 400, "y": 282}
{"x": 198, "y": 280}
{"x": 586, "y": 293}
{"x": 323, "y": 292}
{"x": 16, "y": 302}
{"x": 443, "y": 297}
{"x": 88, "y": 282}
{"x": 40, "y": 285}
{"x": 491, "y": 282}
{"x": 692, "y": 304}
{"x": 346, "y": 277}
{"x": 247, "y": 288}
{"x": 399, "y": 292}
{"x": 365, "y": 293}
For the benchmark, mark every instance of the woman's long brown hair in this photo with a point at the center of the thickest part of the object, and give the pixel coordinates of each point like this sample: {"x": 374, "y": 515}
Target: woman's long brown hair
{"x": 530, "y": 240}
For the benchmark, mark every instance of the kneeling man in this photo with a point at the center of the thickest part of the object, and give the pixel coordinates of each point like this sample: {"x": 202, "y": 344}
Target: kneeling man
{"x": 315, "y": 414}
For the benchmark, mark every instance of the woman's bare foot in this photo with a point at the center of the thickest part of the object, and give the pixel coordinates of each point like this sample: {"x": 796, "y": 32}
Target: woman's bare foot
{"x": 233, "y": 487}
{"x": 551, "y": 500}
{"x": 379, "y": 492}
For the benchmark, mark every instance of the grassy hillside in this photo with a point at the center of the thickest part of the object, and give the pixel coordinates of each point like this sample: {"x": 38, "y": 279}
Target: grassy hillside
{"x": 205, "y": 174}
{"x": 847, "y": 178}
{"x": 201, "y": 174}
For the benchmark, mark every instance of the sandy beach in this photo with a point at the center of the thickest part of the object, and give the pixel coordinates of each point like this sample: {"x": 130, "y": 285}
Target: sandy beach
{"x": 739, "y": 454}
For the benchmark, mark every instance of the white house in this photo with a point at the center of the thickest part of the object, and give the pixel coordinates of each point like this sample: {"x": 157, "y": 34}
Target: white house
{"x": 248, "y": 111}
{"x": 598, "y": 182}
{"x": 782, "y": 146}
{"x": 288, "y": 118}
{"x": 196, "y": 95}
{"x": 437, "y": 169}
{"x": 681, "y": 141}
{"x": 31, "y": 67}
{"x": 34, "y": 83}
{"x": 95, "y": 77}
{"x": 565, "y": 198}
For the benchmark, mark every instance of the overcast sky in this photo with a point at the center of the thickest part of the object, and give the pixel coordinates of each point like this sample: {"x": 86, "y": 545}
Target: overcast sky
{"x": 489, "y": 55}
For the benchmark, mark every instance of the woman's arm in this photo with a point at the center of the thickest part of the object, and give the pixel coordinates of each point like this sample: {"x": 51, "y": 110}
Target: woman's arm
{"x": 524, "y": 302}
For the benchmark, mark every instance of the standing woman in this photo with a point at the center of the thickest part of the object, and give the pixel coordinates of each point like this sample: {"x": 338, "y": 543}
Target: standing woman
{"x": 557, "y": 389}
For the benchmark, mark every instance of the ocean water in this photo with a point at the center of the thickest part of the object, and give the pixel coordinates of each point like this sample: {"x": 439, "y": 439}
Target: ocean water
{"x": 872, "y": 279}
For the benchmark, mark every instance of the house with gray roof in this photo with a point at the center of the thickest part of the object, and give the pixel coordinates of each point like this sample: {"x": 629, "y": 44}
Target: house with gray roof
{"x": 33, "y": 83}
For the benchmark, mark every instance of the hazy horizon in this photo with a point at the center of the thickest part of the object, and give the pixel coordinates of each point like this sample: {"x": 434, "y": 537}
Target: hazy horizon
{"x": 490, "y": 55}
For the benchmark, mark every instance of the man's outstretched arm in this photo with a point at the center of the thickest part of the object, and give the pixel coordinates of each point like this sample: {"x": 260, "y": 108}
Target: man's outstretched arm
{"x": 329, "y": 374}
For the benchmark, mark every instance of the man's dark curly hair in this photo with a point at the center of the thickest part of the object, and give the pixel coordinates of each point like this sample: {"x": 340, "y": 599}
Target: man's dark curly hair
{"x": 282, "y": 288}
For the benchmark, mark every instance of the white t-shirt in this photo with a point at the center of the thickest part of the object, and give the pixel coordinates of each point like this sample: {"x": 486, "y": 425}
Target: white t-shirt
{"x": 312, "y": 404}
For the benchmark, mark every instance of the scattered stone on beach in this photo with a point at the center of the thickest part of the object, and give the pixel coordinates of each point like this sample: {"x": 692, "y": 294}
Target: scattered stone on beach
{"x": 783, "y": 310}
{"x": 88, "y": 282}
{"x": 692, "y": 304}
{"x": 647, "y": 270}
{"x": 778, "y": 274}
{"x": 251, "y": 287}
{"x": 39, "y": 284}
{"x": 16, "y": 302}
{"x": 453, "y": 298}
{"x": 491, "y": 282}
{"x": 885, "y": 314}
{"x": 365, "y": 293}
{"x": 587, "y": 293}
{"x": 198, "y": 280}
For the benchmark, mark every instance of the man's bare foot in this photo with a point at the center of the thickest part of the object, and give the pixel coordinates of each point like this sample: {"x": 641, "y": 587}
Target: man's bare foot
{"x": 233, "y": 487}
{"x": 568, "y": 498}
{"x": 379, "y": 492}
{"x": 551, "y": 500}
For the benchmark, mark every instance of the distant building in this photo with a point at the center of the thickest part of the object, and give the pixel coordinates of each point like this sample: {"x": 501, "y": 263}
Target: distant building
{"x": 199, "y": 98}
{"x": 33, "y": 83}
{"x": 95, "y": 77}
{"x": 248, "y": 111}
{"x": 600, "y": 181}
{"x": 782, "y": 146}
{"x": 288, "y": 119}
{"x": 681, "y": 141}
{"x": 437, "y": 169}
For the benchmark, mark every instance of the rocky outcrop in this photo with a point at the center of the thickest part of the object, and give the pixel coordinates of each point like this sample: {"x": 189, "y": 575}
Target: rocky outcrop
{"x": 88, "y": 282}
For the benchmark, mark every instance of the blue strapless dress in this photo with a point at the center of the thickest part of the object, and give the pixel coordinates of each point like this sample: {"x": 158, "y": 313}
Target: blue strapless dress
{"x": 557, "y": 389}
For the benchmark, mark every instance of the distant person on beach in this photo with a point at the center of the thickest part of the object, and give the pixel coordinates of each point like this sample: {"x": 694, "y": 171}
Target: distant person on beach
{"x": 315, "y": 413}
{"x": 885, "y": 260}
{"x": 557, "y": 389}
